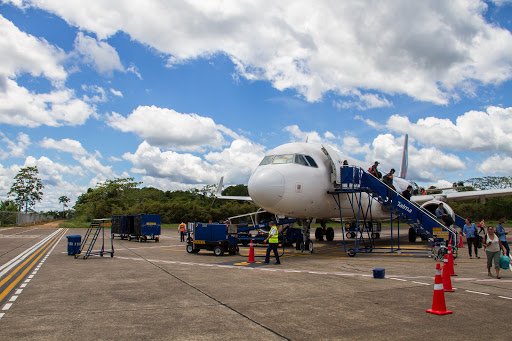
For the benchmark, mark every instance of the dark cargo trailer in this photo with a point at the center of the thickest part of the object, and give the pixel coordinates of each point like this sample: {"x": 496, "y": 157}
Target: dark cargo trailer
{"x": 143, "y": 227}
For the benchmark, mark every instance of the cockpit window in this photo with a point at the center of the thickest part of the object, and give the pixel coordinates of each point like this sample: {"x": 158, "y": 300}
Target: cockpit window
{"x": 299, "y": 159}
{"x": 311, "y": 161}
{"x": 286, "y": 158}
{"x": 267, "y": 160}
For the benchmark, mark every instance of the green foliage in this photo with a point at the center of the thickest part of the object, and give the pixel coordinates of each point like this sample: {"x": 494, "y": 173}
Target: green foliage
{"x": 27, "y": 188}
{"x": 64, "y": 201}
{"x": 121, "y": 197}
{"x": 9, "y": 206}
{"x": 107, "y": 197}
{"x": 491, "y": 182}
{"x": 431, "y": 190}
{"x": 493, "y": 209}
{"x": 460, "y": 187}
{"x": 238, "y": 190}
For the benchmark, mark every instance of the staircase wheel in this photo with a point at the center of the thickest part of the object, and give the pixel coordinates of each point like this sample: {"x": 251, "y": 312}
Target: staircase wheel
{"x": 351, "y": 253}
{"x": 157, "y": 239}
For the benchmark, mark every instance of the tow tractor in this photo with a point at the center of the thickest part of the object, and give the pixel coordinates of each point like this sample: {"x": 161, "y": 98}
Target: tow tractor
{"x": 218, "y": 238}
{"x": 221, "y": 238}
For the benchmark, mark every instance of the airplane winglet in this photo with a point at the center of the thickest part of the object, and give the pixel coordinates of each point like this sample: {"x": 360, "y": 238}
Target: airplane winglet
{"x": 219, "y": 187}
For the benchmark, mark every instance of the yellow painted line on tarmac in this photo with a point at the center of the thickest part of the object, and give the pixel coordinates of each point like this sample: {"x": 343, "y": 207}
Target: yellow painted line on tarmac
{"x": 7, "y": 278}
{"x": 42, "y": 250}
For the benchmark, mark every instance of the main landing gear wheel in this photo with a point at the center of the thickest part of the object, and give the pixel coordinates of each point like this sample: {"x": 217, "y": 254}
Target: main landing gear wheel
{"x": 309, "y": 245}
{"x": 319, "y": 233}
{"x": 218, "y": 251}
{"x": 299, "y": 246}
{"x": 329, "y": 234}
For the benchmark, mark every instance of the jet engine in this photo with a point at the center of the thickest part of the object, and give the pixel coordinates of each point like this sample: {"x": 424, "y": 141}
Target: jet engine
{"x": 431, "y": 206}
{"x": 262, "y": 217}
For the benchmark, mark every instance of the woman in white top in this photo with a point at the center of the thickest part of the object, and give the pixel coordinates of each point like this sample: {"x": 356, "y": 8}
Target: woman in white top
{"x": 493, "y": 246}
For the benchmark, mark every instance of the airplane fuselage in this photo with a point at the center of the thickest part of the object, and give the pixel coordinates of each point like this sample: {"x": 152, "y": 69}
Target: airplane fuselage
{"x": 294, "y": 180}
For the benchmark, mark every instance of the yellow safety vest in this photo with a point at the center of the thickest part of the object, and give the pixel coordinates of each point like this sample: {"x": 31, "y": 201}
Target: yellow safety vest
{"x": 275, "y": 237}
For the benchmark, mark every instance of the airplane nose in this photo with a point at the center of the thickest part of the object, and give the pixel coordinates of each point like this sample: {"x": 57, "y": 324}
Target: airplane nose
{"x": 266, "y": 187}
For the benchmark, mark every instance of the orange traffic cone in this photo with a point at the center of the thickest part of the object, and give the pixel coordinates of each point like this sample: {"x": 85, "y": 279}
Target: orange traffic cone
{"x": 461, "y": 244}
{"x": 438, "y": 304}
{"x": 251, "y": 254}
{"x": 447, "y": 280}
{"x": 451, "y": 262}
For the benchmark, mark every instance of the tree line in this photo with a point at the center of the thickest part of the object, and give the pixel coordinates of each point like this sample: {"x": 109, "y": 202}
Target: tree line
{"x": 123, "y": 197}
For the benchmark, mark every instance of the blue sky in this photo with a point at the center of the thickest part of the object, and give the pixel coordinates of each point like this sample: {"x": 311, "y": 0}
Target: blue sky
{"x": 178, "y": 94}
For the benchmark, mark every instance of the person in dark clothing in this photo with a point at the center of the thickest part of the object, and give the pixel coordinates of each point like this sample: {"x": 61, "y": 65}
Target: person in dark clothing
{"x": 441, "y": 214}
{"x": 407, "y": 193}
{"x": 374, "y": 171}
{"x": 388, "y": 179}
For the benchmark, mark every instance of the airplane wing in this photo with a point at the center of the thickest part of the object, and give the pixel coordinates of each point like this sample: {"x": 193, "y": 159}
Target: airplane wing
{"x": 219, "y": 195}
{"x": 457, "y": 196}
{"x": 227, "y": 197}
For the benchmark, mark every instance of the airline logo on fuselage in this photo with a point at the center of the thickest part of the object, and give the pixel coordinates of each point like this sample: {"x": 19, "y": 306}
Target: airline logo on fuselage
{"x": 404, "y": 207}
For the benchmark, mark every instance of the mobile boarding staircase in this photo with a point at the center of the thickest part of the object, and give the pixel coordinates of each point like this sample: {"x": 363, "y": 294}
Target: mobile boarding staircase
{"x": 354, "y": 181}
{"x": 86, "y": 247}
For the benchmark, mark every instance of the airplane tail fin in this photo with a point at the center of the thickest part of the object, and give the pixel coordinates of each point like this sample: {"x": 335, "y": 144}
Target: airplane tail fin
{"x": 403, "y": 167}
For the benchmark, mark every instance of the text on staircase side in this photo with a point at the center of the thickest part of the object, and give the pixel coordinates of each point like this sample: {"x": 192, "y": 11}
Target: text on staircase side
{"x": 404, "y": 207}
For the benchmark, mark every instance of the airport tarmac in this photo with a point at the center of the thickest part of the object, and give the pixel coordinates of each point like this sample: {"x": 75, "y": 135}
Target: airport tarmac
{"x": 157, "y": 291}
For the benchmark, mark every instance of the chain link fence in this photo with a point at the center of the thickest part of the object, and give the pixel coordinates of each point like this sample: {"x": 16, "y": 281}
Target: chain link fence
{"x": 22, "y": 218}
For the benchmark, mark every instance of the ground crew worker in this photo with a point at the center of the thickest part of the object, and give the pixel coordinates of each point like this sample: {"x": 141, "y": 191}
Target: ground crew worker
{"x": 182, "y": 232}
{"x": 273, "y": 241}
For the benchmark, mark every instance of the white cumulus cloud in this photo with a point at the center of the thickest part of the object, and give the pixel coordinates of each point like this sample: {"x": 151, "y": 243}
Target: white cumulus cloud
{"x": 99, "y": 54}
{"x": 168, "y": 128}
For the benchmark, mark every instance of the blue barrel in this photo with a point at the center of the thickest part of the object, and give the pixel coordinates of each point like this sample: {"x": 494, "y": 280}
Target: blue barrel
{"x": 74, "y": 242}
{"x": 379, "y": 273}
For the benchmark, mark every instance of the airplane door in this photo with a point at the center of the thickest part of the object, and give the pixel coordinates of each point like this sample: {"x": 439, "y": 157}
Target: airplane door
{"x": 336, "y": 163}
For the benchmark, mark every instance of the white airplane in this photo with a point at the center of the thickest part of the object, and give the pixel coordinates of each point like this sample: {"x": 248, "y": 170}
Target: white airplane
{"x": 294, "y": 180}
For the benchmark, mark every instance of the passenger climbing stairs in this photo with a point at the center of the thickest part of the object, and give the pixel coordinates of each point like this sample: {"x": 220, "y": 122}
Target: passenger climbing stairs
{"x": 354, "y": 180}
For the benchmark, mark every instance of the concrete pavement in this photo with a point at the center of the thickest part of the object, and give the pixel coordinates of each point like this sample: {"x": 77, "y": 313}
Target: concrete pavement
{"x": 157, "y": 291}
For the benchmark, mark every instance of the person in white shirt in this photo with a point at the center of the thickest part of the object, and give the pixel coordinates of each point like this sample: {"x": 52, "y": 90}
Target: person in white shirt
{"x": 493, "y": 246}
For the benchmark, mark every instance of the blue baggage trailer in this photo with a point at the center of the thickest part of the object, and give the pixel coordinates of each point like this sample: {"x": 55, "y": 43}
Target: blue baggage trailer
{"x": 218, "y": 238}
{"x": 144, "y": 227}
